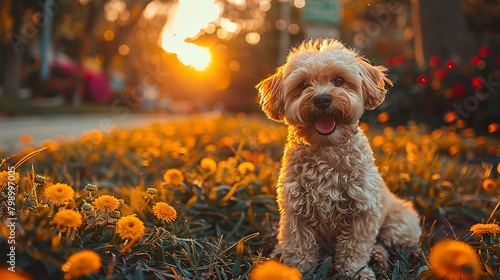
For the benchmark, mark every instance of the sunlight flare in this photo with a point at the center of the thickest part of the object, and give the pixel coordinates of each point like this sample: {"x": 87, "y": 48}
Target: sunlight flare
{"x": 187, "y": 19}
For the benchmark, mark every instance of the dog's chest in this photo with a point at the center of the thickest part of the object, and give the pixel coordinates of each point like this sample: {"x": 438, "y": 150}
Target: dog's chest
{"x": 323, "y": 186}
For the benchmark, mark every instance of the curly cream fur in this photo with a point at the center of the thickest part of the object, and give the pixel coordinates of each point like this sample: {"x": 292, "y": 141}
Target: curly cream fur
{"x": 329, "y": 186}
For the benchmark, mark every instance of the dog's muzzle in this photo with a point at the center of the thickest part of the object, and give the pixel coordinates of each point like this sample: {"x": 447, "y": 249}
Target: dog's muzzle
{"x": 324, "y": 122}
{"x": 322, "y": 101}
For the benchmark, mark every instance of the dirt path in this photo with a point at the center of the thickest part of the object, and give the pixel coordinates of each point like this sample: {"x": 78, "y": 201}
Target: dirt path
{"x": 71, "y": 126}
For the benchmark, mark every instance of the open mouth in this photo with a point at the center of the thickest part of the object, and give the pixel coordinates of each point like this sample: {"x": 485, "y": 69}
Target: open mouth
{"x": 324, "y": 124}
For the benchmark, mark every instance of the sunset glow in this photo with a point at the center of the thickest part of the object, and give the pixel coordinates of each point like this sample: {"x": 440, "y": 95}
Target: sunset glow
{"x": 187, "y": 19}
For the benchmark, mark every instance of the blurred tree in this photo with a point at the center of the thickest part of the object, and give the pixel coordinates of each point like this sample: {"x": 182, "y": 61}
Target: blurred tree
{"x": 483, "y": 15}
{"x": 124, "y": 31}
{"x": 92, "y": 11}
{"x": 441, "y": 30}
{"x": 14, "y": 43}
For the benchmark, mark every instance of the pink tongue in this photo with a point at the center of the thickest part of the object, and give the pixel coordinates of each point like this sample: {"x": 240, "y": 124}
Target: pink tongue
{"x": 324, "y": 126}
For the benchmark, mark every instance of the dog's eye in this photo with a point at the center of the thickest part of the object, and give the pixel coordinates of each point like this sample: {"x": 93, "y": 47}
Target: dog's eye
{"x": 304, "y": 85}
{"x": 338, "y": 81}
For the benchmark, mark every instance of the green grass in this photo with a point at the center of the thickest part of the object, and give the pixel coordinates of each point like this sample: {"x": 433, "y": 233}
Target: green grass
{"x": 442, "y": 172}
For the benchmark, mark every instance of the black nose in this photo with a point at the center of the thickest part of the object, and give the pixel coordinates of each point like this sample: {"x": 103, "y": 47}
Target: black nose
{"x": 322, "y": 101}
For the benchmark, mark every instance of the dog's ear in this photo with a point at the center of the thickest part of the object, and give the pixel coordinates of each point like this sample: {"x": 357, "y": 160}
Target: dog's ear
{"x": 374, "y": 81}
{"x": 271, "y": 95}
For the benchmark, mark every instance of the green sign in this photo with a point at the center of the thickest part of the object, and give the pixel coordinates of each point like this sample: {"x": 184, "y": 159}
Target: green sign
{"x": 322, "y": 11}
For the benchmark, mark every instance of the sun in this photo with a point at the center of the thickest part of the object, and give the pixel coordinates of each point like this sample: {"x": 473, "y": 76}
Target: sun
{"x": 187, "y": 53}
{"x": 184, "y": 25}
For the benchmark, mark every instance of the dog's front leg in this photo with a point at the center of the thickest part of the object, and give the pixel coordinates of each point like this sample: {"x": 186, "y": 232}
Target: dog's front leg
{"x": 355, "y": 238}
{"x": 297, "y": 242}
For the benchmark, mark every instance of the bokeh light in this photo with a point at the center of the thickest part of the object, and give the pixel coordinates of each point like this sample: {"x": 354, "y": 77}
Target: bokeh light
{"x": 264, "y": 5}
{"x": 451, "y": 64}
{"x": 450, "y": 117}
{"x": 234, "y": 65}
{"x": 252, "y": 38}
{"x": 422, "y": 80}
{"x": 109, "y": 35}
{"x": 123, "y": 49}
{"x": 100, "y": 58}
{"x": 383, "y": 117}
{"x": 293, "y": 28}
{"x": 299, "y": 3}
{"x": 281, "y": 24}
{"x": 493, "y": 127}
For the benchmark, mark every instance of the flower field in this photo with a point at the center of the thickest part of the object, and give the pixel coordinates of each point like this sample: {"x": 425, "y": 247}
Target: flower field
{"x": 196, "y": 200}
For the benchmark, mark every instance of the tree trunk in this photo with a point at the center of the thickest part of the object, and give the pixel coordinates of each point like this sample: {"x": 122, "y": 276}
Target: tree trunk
{"x": 441, "y": 30}
{"x": 86, "y": 38}
{"x": 14, "y": 52}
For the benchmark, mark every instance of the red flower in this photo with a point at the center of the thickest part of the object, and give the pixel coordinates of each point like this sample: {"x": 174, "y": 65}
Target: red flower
{"x": 484, "y": 51}
{"x": 398, "y": 59}
{"x": 475, "y": 60}
{"x": 451, "y": 64}
{"x": 440, "y": 73}
{"x": 389, "y": 61}
{"x": 422, "y": 79}
{"x": 476, "y": 82}
{"x": 458, "y": 91}
{"x": 434, "y": 61}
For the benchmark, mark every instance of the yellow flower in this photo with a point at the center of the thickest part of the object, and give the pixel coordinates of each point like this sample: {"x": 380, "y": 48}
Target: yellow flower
{"x": 384, "y": 117}
{"x": 4, "y": 178}
{"x": 453, "y": 259}
{"x": 455, "y": 149}
{"x": 209, "y": 164}
{"x": 364, "y": 126}
{"x": 245, "y": 167}
{"x": 226, "y": 141}
{"x": 378, "y": 141}
{"x": 51, "y": 145}
{"x": 437, "y": 134}
{"x": 130, "y": 227}
{"x": 480, "y": 229}
{"x": 106, "y": 203}
{"x": 165, "y": 212}
{"x": 401, "y": 129}
{"x": 272, "y": 269}
{"x": 388, "y": 132}
{"x": 489, "y": 185}
{"x": 26, "y": 138}
{"x": 82, "y": 263}
{"x": 18, "y": 275}
{"x": 59, "y": 193}
{"x": 388, "y": 147}
{"x": 67, "y": 218}
{"x": 412, "y": 151}
{"x": 152, "y": 191}
{"x": 173, "y": 176}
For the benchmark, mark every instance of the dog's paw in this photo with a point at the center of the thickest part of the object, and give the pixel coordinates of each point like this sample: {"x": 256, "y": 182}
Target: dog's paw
{"x": 379, "y": 255}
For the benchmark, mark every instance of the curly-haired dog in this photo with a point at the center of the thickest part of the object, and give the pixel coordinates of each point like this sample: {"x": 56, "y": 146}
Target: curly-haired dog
{"x": 329, "y": 187}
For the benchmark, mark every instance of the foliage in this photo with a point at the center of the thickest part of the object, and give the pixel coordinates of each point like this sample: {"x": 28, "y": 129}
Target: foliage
{"x": 219, "y": 176}
{"x": 446, "y": 91}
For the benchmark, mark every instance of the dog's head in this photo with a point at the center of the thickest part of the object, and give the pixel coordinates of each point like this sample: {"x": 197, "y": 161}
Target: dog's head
{"x": 322, "y": 91}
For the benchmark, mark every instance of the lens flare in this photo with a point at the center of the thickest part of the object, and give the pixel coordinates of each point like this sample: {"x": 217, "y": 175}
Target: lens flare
{"x": 187, "y": 19}
{"x": 187, "y": 53}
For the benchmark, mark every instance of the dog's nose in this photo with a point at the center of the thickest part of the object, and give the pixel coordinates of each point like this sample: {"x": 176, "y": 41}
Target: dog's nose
{"x": 322, "y": 101}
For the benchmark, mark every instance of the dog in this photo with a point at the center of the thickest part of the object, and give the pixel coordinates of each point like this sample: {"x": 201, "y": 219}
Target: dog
{"x": 329, "y": 187}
